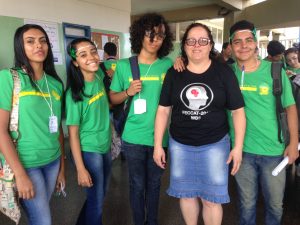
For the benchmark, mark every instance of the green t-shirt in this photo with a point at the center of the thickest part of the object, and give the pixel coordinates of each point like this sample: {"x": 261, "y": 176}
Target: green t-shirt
{"x": 261, "y": 130}
{"x": 92, "y": 117}
{"x": 295, "y": 70}
{"x": 139, "y": 128}
{"x": 110, "y": 64}
{"x": 36, "y": 145}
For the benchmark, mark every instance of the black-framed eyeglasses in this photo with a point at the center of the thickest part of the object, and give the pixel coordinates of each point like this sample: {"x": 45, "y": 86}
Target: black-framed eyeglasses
{"x": 150, "y": 34}
{"x": 193, "y": 41}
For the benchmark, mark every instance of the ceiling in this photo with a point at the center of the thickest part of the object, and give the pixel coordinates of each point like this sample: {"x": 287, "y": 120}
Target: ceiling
{"x": 143, "y": 6}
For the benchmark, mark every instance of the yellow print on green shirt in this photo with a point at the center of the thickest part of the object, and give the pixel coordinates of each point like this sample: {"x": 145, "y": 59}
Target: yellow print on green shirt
{"x": 248, "y": 88}
{"x": 162, "y": 77}
{"x": 96, "y": 97}
{"x": 264, "y": 89}
{"x": 33, "y": 93}
{"x": 144, "y": 78}
{"x": 55, "y": 95}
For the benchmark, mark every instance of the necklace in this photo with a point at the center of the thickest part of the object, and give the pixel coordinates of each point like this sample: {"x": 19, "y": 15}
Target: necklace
{"x": 150, "y": 67}
{"x": 148, "y": 70}
{"x": 49, "y": 103}
{"x": 251, "y": 68}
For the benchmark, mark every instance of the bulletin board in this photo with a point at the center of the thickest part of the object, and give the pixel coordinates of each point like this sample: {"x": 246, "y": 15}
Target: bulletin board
{"x": 101, "y": 38}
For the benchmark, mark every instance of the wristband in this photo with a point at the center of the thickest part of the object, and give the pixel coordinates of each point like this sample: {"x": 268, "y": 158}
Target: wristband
{"x": 127, "y": 93}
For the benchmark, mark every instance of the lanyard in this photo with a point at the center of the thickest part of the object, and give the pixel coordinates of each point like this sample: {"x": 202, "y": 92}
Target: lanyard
{"x": 49, "y": 103}
{"x": 147, "y": 73}
{"x": 243, "y": 76}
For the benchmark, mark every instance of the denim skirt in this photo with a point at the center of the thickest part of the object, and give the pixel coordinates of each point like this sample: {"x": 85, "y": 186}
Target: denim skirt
{"x": 199, "y": 171}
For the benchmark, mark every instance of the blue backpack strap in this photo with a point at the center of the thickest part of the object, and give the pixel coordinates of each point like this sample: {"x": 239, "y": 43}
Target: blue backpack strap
{"x": 134, "y": 65}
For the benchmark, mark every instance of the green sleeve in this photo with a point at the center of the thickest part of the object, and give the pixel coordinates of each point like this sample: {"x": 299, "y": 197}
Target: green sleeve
{"x": 100, "y": 73}
{"x": 117, "y": 83}
{"x": 73, "y": 110}
{"x": 6, "y": 90}
{"x": 170, "y": 62}
{"x": 287, "y": 97}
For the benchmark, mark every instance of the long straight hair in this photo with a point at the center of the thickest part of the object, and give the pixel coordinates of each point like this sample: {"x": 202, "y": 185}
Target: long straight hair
{"x": 75, "y": 79}
{"x": 22, "y": 61}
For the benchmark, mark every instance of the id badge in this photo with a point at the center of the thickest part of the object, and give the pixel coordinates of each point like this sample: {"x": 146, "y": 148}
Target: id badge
{"x": 139, "y": 106}
{"x": 53, "y": 125}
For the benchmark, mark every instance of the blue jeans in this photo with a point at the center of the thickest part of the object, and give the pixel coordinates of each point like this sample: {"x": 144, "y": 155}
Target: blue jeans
{"x": 43, "y": 178}
{"x": 144, "y": 181}
{"x": 255, "y": 170}
{"x": 99, "y": 167}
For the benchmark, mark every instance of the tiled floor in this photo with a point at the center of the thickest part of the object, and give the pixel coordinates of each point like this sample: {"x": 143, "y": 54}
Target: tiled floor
{"x": 117, "y": 210}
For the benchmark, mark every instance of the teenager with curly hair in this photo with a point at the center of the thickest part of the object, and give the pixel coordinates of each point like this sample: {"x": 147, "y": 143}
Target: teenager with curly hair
{"x": 151, "y": 40}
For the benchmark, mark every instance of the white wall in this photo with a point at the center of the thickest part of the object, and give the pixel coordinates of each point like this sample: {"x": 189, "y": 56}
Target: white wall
{"x": 113, "y": 15}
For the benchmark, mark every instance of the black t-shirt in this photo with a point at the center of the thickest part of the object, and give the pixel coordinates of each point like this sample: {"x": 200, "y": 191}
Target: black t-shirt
{"x": 199, "y": 103}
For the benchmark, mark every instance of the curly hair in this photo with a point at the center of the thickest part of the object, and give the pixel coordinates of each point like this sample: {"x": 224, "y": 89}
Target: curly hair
{"x": 148, "y": 22}
{"x": 212, "y": 54}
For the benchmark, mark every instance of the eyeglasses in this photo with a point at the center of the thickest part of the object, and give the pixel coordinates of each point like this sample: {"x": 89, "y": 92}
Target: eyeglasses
{"x": 193, "y": 41}
{"x": 150, "y": 34}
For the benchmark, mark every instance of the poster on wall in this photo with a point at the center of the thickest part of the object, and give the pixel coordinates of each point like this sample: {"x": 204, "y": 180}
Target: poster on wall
{"x": 51, "y": 29}
{"x": 58, "y": 59}
{"x": 100, "y": 39}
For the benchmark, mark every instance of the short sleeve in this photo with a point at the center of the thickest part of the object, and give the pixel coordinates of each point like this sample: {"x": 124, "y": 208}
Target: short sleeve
{"x": 73, "y": 110}
{"x": 287, "y": 97}
{"x": 117, "y": 83}
{"x": 6, "y": 90}
{"x": 234, "y": 97}
{"x": 166, "y": 91}
{"x": 100, "y": 73}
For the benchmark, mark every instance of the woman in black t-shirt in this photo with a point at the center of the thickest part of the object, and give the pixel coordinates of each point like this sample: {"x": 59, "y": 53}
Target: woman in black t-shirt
{"x": 198, "y": 99}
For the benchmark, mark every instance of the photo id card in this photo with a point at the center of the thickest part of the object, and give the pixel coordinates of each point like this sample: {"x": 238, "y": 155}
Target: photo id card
{"x": 53, "y": 125}
{"x": 139, "y": 106}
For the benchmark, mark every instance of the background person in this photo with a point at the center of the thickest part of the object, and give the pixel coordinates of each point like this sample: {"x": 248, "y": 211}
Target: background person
{"x": 293, "y": 71}
{"x": 293, "y": 64}
{"x": 110, "y": 63}
{"x": 226, "y": 54}
{"x": 275, "y": 51}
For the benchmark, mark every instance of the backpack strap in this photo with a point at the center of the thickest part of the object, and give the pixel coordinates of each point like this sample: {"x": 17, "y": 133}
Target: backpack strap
{"x": 14, "y": 115}
{"x": 135, "y": 71}
{"x": 277, "y": 91}
{"x": 103, "y": 69}
{"x": 106, "y": 79}
{"x": 134, "y": 65}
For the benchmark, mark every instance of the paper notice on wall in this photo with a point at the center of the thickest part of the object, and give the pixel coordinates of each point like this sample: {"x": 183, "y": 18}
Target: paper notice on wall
{"x": 101, "y": 54}
{"x": 57, "y": 56}
{"x": 104, "y": 40}
{"x": 51, "y": 29}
